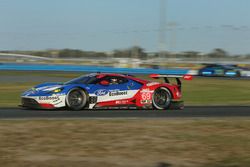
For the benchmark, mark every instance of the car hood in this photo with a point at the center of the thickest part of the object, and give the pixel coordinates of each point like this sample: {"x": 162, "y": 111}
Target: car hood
{"x": 48, "y": 87}
{"x": 42, "y": 89}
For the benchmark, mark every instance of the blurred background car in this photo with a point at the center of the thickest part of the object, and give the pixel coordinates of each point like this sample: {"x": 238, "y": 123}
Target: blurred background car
{"x": 223, "y": 70}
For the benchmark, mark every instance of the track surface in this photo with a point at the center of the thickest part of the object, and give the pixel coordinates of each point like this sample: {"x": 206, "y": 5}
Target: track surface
{"x": 205, "y": 111}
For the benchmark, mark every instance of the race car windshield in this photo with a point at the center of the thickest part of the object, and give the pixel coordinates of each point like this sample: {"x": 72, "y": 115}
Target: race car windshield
{"x": 82, "y": 80}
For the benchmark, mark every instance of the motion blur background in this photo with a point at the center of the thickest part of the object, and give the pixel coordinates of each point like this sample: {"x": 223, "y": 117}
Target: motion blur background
{"x": 133, "y": 34}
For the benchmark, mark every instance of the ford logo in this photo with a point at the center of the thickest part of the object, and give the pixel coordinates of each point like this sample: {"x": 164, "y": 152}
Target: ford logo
{"x": 101, "y": 92}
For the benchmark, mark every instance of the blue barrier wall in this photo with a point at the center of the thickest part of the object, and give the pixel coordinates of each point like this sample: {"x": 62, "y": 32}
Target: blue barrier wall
{"x": 78, "y": 68}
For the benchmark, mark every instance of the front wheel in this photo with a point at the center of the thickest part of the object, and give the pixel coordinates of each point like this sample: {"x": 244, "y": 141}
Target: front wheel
{"x": 161, "y": 98}
{"x": 76, "y": 99}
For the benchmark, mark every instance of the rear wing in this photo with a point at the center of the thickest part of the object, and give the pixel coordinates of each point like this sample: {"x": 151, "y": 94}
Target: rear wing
{"x": 177, "y": 77}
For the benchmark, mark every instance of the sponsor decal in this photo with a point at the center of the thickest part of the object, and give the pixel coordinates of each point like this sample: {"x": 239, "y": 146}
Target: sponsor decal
{"x": 118, "y": 93}
{"x": 101, "y": 92}
{"x": 48, "y": 98}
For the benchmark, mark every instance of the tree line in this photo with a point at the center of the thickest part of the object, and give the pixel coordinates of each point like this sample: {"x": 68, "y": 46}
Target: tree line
{"x": 133, "y": 52}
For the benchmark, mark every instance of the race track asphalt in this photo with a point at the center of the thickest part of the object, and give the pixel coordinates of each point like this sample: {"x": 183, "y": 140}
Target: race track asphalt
{"x": 188, "y": 112}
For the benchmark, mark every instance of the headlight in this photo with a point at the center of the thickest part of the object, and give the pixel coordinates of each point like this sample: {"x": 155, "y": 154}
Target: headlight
{"x": 57, "y": 90}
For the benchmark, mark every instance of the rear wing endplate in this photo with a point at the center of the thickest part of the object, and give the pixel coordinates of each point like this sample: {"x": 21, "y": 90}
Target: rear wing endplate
{"x": 186, "y": 76}
{"x": 177, "y": 77}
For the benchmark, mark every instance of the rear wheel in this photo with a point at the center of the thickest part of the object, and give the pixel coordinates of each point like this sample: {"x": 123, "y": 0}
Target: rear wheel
{"x": 76, "y": 99}
{"x": 161, "y": 98}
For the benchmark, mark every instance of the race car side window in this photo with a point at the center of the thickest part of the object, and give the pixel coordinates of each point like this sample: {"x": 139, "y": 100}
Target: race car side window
{"x": 114, "y": 80}
{"x": 122, "y": 80}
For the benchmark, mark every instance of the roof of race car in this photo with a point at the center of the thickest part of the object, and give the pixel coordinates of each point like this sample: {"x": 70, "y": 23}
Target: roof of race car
{"x": 101, "y": 75}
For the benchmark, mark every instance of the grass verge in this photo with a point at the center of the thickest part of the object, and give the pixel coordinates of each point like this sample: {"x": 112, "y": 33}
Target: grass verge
{"x": 123, "y": 143}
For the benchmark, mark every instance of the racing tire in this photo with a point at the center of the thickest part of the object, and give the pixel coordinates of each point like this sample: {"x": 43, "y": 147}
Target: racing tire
{"x": 161, "y": 98}
{"x": 76, "y": 99}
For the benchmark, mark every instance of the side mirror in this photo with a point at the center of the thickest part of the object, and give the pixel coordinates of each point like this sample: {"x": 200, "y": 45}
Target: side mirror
{"x": 104, "y": 82}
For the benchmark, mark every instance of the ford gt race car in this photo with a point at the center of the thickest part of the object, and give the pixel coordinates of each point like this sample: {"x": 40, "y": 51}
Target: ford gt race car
{"x": 107, "y": 91}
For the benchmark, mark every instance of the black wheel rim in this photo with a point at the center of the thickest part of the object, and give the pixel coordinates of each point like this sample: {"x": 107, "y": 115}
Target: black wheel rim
{"x": 75, "y": 98}
{"x": 161, "y": 98}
